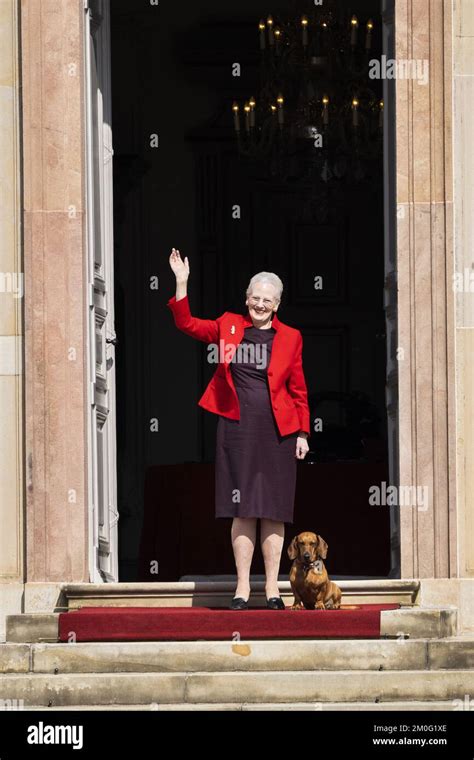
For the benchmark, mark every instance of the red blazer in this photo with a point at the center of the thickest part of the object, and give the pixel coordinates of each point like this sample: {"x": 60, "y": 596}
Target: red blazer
{"x": 288, "y": 393}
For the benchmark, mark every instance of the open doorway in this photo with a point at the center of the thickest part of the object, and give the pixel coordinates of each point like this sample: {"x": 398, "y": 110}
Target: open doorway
{"x": 181, "y": 180}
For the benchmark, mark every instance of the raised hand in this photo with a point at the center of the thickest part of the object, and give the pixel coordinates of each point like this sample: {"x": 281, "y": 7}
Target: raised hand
{"x": 179, "y": 267}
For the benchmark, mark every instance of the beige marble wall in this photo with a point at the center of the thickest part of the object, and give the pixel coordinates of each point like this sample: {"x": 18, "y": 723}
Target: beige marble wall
{"x": 11, "y": 327}
{"x": 55, "y": 273}
{"x": 430, "y": 540}
{"x": 464, "y": 267}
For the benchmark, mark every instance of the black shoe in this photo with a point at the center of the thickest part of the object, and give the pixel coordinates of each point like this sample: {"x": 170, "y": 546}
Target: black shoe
{"x": 275, "y": 603}
{"x": 238, "y": 603}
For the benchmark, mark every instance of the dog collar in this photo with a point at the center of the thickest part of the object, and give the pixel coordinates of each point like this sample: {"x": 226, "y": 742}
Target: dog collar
{"x": 310, "y": 565}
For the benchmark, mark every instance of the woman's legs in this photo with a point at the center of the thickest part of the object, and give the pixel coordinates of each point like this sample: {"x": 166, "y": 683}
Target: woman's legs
{"x": 272, "y": 535}
{"x": 243, "y": 534}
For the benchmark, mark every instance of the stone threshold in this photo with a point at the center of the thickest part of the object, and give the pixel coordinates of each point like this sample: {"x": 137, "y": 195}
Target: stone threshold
{"x": 220, "y": 593}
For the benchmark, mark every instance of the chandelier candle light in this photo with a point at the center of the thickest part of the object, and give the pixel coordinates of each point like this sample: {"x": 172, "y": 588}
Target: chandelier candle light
{"x": 304, "y": 24}
{"x": 271, "y": 34}
{"x": 368, "y": 36}
{"x": 277, "y": 41}
{"x": 355, "y": 112}
{"x": 354, "y": 28}
{"x": 263, "y": 36}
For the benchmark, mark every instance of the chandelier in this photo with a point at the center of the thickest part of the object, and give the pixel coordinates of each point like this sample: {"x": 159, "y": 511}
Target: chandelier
{"x": 317, "y": 114}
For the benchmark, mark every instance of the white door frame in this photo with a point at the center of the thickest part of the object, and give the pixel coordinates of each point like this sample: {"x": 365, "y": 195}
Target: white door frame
{"x": 102, "y": 480}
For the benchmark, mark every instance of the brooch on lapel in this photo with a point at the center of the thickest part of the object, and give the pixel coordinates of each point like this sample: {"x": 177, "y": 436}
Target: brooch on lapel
{"x": 232, "y": 329}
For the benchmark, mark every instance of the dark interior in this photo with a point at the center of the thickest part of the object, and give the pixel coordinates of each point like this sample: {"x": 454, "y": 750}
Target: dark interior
{"x": 172, "y": 77}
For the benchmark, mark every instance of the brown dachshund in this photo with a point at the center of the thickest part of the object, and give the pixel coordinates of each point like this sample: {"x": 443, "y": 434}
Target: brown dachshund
{"x": 308, "y": 577}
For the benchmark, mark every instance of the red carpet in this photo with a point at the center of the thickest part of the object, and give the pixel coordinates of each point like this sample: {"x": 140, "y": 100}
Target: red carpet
{"x": 213, "y": 624}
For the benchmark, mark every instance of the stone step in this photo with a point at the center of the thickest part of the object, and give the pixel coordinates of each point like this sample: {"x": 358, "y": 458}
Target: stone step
{"x": 280, "y": 706}
{"x": 238, "y": 687}
{"x": 412, "y": 621}
{"x": 250, "y": 655}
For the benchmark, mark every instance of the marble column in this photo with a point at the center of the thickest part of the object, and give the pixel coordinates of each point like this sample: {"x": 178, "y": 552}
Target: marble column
{"x": 430, "y": 540}
{"x": 56, "y": 292}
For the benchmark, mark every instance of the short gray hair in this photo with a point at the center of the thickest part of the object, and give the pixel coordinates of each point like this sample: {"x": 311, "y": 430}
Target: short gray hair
{"x": 269, "y": 278}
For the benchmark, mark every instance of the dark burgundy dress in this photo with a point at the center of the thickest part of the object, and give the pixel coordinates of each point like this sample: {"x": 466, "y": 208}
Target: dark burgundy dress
{"x": 255, "y": 465}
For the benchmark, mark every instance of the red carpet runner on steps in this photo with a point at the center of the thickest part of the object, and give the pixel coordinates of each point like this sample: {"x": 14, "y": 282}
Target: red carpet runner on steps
{"x": 214, "y": 624}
